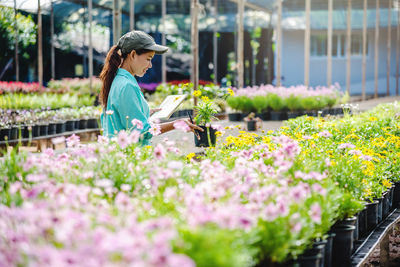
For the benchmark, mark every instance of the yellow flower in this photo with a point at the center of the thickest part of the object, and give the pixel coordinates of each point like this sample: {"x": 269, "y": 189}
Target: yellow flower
{"x": 372, "y": 119}
{"x": 190, "y": 156}
{"x": 270, "y": 132}
{"x": 230, "y": 92}
{"x": 205, "y": 98}
{"x": 197, "y": 93}
{"x": 218, "y": 133}
{"x": 386, "y": 183}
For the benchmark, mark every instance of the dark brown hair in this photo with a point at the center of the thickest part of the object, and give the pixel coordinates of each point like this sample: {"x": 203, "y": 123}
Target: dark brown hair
{"x": 110, "y": 68}
{"x": 111, "y": 64}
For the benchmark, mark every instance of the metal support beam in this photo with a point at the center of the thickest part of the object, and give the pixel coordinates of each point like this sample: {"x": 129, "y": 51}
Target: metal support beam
{"x": 195, "y": 46}
{"x": 389, "y": 43}
{"x": 116, "y": 21}
{"x": 348, "y": 47}
{"x": 253, "y": 6}
{"x": 397, "y": 50}
{"x": 376, "y": 48}
{"x": 215, "y": 42}
{"x": 16, "y": 37}
{"x": 278, "y": 42}
{"x": 307, "y": 34}
{"x": 53, "y": 58}
{"x": 40, "y": 49}
{"x": 163, "y": 41}
{"x": 240, "y": 40}
{"x": 364, "y": 50}
{"x": 90, "y": 46}
{"x": 329, "y": 67}
{"x": 131, "y": 15}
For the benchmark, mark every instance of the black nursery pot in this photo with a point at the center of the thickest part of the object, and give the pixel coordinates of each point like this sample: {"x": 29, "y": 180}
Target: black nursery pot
{"x": 328, "y": 250}
{"x": 278, "y": 115}
{"x": 362, "y": 222}
{"x": 35, "y": 130}
{"x": 380, "y": 208}
{"x": 263, "y": 116}
{"x": 14, "y": 133}
{"x": 76, "y": 124}
{"x": 92, "y": 123}
{"x": 51, "y": 129}
{"x": 311, "y": 257}
{"x": 396, "y": 195}
{"x": 235, "y": 116}
{"x": 251, "y": 125}
{"x": 203, "y": 142}
{"x": 372, "y": 215}
{"x": 70, "y": 125}
{"x": 83, "y": 124}
{"x": 342, "y": 245}
{"x": 43, "y": 129}
{"x": 60, "y": 127}
{"x": 294, "y": 114}
{"x": 3, "y": 133}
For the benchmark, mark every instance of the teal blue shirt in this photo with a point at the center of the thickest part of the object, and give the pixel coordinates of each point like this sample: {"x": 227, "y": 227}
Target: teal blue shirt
{"x": 126, "y": 102}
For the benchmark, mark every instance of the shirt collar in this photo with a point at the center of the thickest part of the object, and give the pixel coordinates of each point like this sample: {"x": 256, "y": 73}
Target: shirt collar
{"x": 125, "y": 73}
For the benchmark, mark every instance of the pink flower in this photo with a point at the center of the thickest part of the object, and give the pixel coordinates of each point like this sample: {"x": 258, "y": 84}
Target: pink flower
{"x": 58, "y": 140}
{"x": 134, "y": 136}
{"x": 346, "y": 145}
{"x": 159, "y": 151}
{"x": 155, "y": 129}
{"x": 181, "y": 125}
{"x": 123, "y": 139}
{"x": 137, "y": 123}
{"x": 315, "y": 213}
{"x": 325, "y": 134}
{"x": 73, "y": 140}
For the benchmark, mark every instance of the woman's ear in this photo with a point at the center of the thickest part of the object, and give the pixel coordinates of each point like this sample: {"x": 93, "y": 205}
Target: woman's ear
{"x": 133, "y": 54}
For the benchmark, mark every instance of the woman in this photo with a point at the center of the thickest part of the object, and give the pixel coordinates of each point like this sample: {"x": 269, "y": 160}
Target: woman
{"x": 120, "y": 94}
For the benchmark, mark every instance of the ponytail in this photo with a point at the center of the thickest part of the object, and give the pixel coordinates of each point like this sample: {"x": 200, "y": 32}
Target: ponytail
{"x": 111, "y": 65}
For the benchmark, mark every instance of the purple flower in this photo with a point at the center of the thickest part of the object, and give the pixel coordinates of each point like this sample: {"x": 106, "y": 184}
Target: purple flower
{"x": 123, "y": 139}
{"x": 73, "y": 140}
{"x": 315, "y": 213}
{"x": 159, "y": 151}
{"x": 155, "y": 129}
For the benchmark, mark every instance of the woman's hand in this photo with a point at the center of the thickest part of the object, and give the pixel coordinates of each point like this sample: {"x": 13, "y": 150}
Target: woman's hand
{"x": 193, "y": 127}
{"x": 154, "y": 110}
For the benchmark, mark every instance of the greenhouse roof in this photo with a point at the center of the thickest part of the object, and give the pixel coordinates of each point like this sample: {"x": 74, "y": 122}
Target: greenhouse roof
{"x": 148, "y": 13}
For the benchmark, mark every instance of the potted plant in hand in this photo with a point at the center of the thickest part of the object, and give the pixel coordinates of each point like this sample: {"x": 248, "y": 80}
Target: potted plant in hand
{"x": 251, "y": 121}
{"x": 205, "y": 113}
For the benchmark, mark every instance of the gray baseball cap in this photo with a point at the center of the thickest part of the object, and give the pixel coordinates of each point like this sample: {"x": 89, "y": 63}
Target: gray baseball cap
{"x": 135, "y": 40}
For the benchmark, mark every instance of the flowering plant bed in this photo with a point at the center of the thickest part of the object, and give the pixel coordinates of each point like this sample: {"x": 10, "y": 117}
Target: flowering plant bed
{"x": 251, "y": 198}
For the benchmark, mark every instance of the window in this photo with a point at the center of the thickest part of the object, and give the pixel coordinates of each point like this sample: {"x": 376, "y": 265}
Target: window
{"x": 319, "y": 45}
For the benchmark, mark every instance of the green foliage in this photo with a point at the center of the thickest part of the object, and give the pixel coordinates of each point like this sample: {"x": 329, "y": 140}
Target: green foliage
{"x": 260, "y": 103}
{"x": 205, "y": 111}
{"x": 233, "y": 102}
{"x": 309, "y": 103}
{"x": 26, "y": 29}
{"x": 294, "y": 103}
{"x": 245, "y": 104}
{"x": 276, "y": 102}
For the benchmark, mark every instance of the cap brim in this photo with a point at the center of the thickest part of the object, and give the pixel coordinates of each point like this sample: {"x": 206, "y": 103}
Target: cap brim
{"x": 159, "y": 49}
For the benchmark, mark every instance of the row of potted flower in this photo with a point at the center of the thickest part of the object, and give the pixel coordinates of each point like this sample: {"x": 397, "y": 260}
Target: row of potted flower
{"x": 283, "y": 103}
{"x": 250, "y": 200}
{"x": 37, "y": 101}
{"x": 21, "y": 87}
{"x": 35, "y": 123}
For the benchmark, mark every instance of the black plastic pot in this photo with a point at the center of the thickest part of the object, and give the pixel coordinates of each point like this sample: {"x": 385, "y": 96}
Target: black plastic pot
{"x": 328, "y": 250}
{"x": 380, "y": 208}
{"x": 69, "y": 126}
{"x": 251, "y": 125}
{"x": 14, "y": 133}
{"x": 294, "y": 114}
{"x": 235, "y": 116}
{"x": 3, "y": 133}
{"x": 51, "y": 129}
{"x": 203, "y": 142}
{"x": 342, "y": 245}
{"x": 265, "y": 116}
{"x": 311, "y": 113}
{"x": 60, "y": 127}
{"x": 391, "y": 194}
{"x": 76, "y": 125}
{"x": 320, "y": 245}
{"x": 396, "y": 195}
{"x": 43, "y": 128}
{"x": 83, "y": 124}
{"x": 311, "y": 257}
{"x": 385, "y": 205}
{"x": 35, "y": 130}
{"x": 372, "y": 215}
{"x": 278, "y": 115}
{"x": 269, "y": 263}
{"x": 362, "y": 222}
{"x": 92, "y": 123}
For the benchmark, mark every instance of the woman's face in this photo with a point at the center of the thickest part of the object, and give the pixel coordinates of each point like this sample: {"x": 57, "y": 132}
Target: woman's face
{"x": 141, "y": 63}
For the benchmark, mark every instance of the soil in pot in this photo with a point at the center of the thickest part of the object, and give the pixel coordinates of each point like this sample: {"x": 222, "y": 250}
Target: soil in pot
{"x": 203, "y": 141}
